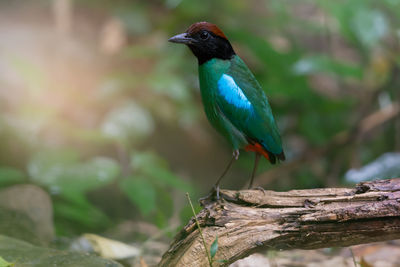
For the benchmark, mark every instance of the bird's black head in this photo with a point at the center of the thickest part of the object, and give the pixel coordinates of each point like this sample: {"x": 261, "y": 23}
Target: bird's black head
{"x": 206, "y": 41}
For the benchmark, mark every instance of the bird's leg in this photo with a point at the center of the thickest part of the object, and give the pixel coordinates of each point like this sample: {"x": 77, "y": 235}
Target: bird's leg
{"x": 215, "y": 188}
{"x": 235, "y": 156}
{"x": 258, "y": 155}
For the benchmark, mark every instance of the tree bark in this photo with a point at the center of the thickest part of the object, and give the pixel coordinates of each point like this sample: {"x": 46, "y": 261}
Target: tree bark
{"x": 248, "y": 221}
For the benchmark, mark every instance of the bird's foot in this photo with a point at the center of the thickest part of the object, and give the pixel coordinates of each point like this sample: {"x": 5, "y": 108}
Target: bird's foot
{"x": 210, "y": 196}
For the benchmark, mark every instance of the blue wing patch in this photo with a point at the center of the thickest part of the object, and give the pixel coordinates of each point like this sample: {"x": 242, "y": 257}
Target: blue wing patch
{"x": 232, "y": 93}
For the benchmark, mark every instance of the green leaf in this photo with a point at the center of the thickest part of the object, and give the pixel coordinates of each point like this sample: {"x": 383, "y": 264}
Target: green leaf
{"x": 141, "y": 192}
{"x": 165, "y": 203}
{"x": 156, "y": 168}
{"x": 323, "y": 64}
{"x": 88, "y": 216}
{"x": 68, "y": 179}
{"x": 160, "y": 220}
{"x": 214, "y": 247}
{"x": 369, "y": 25}
{"x": 97, "y": 172}
{"x": 4, "y": 263}
{"x": 74, "y": 206}
{"x": 43, "y": 167}
{"x": 129, "y": 121}
{"x": 333, "y": 122}
{"x": 10, "y": 176}
{"x": 62, "y": 172}
{"x": 135, "y": 19}
{"x": 144, "y": 160}
{"x": 166, "y": 177}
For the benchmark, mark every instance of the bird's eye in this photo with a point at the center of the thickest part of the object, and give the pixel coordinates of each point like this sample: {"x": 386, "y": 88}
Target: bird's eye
{"x": 204, "y": 35}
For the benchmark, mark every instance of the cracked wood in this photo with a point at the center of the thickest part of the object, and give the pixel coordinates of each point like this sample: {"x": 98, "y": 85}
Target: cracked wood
{"x": 248, "y": 221}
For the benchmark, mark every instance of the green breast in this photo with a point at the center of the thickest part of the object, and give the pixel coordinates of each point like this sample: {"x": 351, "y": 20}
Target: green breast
{"x": 209, "y": 74}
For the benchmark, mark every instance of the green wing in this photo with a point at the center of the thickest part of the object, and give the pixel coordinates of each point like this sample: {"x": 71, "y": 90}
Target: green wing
{"x": 243, "y": 102}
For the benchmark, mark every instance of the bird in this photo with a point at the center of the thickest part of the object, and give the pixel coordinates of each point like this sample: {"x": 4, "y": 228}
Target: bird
{"x": 234, "y": 102}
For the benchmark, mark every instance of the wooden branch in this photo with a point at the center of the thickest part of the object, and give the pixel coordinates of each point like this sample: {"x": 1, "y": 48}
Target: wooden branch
{"x": 252, "y": 220}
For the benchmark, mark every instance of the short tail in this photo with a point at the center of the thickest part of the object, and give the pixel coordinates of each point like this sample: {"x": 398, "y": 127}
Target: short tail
{"x": 271, "y": 157}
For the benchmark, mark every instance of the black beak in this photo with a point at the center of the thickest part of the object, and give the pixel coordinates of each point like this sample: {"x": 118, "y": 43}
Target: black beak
{"x": 182, "y": 38}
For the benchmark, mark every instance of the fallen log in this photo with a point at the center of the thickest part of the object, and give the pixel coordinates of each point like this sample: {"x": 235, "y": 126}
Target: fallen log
{"x": 250, "y": 221}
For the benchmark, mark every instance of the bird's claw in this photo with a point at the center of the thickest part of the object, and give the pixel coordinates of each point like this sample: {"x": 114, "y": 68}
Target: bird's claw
{"x": 215, "y": 189}
{"x": 210, "y": 195}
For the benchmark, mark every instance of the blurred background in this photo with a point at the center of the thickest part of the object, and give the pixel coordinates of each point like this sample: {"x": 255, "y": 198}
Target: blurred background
{"x": 102, "y": 129}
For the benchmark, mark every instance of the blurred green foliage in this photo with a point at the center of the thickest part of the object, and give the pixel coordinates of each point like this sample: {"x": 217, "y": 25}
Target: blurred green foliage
{"x": 83, "y": 122}
{"x": 4, "y": 263}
